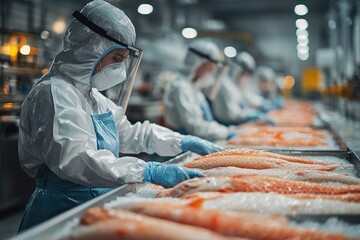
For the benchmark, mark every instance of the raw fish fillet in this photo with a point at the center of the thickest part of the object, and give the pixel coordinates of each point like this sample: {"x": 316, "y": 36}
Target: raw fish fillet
{"x": 263, "y": 153}
{"x": 347, "y": 197}
{"x": 274, "y": 141}
{"x": 257, "y": 159}
{"x": 253, "y": 183}
{"x": 291, "y": 174}
{"x": 227, "y": 223}
{"x": 273, "y": 203}
{"x": 111, "y": 224}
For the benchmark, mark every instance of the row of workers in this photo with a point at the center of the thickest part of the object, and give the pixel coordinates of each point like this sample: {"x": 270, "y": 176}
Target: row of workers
{"x": 209, "y": 99}
{"x": 75, "y": 142}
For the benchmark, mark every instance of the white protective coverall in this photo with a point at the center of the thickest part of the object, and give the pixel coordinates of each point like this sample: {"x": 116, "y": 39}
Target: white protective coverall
{"x": 183, "y": 98}
{"x": 56, "y": 128}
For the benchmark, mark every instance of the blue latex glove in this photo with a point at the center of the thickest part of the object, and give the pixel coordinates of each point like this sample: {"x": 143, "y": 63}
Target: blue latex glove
{"x": 235, "y": 133}
{"x": 257, "y": 115}
{"x": 199, "y": 145}
{"x": 266, "y": 118}
{"x": 168, "y": 175}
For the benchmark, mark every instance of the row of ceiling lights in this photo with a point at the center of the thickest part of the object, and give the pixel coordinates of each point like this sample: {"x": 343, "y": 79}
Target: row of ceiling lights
{"x": 301, "y": 32}
{"x": 229, "y": 51}
{"x": 187, "y": 32}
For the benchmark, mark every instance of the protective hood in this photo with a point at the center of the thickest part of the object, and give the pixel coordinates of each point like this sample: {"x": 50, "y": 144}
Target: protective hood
{"x": 200, "y": 51}
{"x": 83, "y": 47}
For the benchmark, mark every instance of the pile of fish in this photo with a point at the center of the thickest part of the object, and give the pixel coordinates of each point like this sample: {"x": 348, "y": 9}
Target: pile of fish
{"x": 294, "y": 113}
{"x": 247, "y": 194}
{"x": 275, "y": 136}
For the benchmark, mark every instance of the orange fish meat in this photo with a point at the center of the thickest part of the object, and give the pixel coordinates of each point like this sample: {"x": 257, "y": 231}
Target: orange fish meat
{"x": 245, "y": 158}
{"x": 291, "y": 174}
{"x": 254, "y": 183}
{"x": 230, "y": 224}
{"x": 101, "y": 223}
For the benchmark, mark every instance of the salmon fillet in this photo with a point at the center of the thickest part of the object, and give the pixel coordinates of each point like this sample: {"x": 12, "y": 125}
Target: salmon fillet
{"x": 230, "y": 224}
{"x": 101, "y": 223}
{"x": 291, "y": 174}
{"x": 254, "y": 183}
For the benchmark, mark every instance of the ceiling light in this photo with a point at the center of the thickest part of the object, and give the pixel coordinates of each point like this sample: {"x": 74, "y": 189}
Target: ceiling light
{"x": 301, "y": 24}
{"x": 230, "y": 51}
{"x": 25, "y": 50}
{"x": 145, "y": 9}
{"x": 189, "y": 33}
{"x": 302, "y": 48}
{"x": 303, "y": 56}
{"x": 302, "y": 32}
{"x": 300, "y": 9}
{"x": 302, "y": 40}
{"x": 289, "y": 82}
{"x": 59, "y": 26}
{"x": 44, "y": 35}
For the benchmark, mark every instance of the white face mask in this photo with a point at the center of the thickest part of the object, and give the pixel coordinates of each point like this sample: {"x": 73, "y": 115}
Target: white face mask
{"x": 109, "y": 76}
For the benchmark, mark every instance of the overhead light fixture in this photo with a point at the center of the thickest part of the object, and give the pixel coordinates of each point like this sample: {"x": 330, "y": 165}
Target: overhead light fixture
{"x": 300, "y": 9}
{"x": 25, "y": 49}
{"x": 189, "y": 33}
{"x": 302, "y": 48}
{"x": 289, "y": 82}
{"x": 304, "y": 41}
{"x": 302, "y": 37}
{"x": 303, "y": 56}
{"x": 44, "y": 35}
{"x": 301, "y": 24}
{"x": 302, "y": 32}
{"x": 59, "y": 26}
{"x": 230, "y": 51}
{"x": 145, "y": 9}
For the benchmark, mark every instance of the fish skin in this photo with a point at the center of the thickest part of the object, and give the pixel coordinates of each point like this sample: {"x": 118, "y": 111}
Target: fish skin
{"x": 230, "y": 224}
{"x": 273, "y": 203}
{"x": 102, "y": 223}
{"x": 291, "y": 174}
{"x": 253, "y": 183}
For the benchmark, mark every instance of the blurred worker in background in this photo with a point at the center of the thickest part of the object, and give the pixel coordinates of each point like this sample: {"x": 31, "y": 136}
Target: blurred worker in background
{"x": 71, "y": 136}
{"x": 186, "y": 108}
{"x": 268, "y": 87}
{"x": 249, "y": 84}
{"x": 230, "y": 106}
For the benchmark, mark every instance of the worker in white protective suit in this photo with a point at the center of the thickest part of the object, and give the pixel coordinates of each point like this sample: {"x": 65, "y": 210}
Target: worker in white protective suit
{"x": 71, "y": 135}
{"x": 249, "y": 84}
{"x": 186, "y": 108}
{"x": 229, "y": 107}
{"x": 268, "y": 88}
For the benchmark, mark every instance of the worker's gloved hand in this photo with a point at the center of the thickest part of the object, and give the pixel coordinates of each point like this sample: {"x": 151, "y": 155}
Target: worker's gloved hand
{"x": 199, "y": 145}
{"x": 279, "y": 102}
{"x": 168, "y": 175}
{"x": 267, "y": 119}
{"x": 233, "y": 134}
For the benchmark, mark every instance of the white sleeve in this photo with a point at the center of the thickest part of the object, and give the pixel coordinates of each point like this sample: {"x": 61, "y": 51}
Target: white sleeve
{"x": 72, "y": 154}
{"x": 191, "y": 117}
{"x": 145, "y": 137}
{"x": 226, "y": 106}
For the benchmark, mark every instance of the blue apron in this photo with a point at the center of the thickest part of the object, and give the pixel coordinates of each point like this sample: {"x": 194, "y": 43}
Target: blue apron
{"x": 206, "y": 110}
{"x": 54, "y": 195}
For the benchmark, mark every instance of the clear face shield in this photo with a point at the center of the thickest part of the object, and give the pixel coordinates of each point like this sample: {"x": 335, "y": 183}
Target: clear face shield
{"x": 118, "y": 66}
{"x": 120, "y": 93}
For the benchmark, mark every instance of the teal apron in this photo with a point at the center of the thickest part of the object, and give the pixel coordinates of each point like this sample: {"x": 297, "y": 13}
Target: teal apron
{"x": 206, "y": 111}
{"x": 54, "y": 195}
